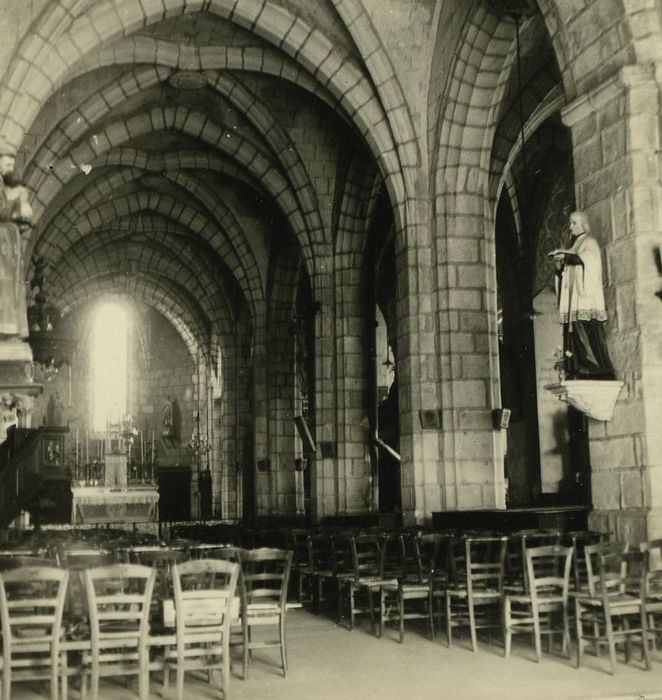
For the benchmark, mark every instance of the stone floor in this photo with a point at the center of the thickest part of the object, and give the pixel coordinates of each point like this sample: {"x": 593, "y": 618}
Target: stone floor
{"x": 328, "y": 662}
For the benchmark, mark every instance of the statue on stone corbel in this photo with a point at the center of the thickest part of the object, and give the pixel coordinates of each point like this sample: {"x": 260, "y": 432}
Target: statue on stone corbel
{"x": 15, "y": 221}
{"x": 586, "y": 374}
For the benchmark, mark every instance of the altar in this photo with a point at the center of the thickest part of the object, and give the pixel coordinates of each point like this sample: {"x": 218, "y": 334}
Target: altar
{"x": 106, "y": 505}
{"x": 114, "y": 488}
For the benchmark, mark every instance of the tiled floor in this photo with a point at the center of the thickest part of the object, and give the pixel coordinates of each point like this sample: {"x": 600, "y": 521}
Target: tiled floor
{"x": 328, "y": 662}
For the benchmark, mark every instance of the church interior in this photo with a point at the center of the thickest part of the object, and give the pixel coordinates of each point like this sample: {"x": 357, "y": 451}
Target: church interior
{"x": 291, "y": 264}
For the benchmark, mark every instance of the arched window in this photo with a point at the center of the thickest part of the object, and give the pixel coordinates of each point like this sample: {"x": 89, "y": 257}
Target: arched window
{"x": 109, "y": 365}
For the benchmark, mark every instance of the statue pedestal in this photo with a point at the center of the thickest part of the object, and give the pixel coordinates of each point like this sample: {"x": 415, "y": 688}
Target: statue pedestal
{"x": 594, "y": 397}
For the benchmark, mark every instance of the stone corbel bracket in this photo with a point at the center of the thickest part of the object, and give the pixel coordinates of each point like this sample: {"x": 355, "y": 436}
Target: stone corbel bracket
{"x": 595, "y": 398}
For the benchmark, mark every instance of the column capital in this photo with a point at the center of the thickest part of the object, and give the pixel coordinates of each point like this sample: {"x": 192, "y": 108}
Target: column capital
{"x": 625, "y": 79}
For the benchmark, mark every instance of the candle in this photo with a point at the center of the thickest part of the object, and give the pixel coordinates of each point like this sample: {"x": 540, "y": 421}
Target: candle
{"x": 76, "y": 449}
{"x": 142, "y": 448}
{"x": 87, "y": 447}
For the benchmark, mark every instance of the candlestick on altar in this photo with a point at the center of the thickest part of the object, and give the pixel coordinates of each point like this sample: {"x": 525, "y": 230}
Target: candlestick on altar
{"x": 142, "y": 448}
{"x": 77, "y": 450}
{"x": 87, "y": 447}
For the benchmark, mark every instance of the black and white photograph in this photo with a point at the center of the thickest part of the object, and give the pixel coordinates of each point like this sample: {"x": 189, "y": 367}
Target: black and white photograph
{"x": 331, "y": 349}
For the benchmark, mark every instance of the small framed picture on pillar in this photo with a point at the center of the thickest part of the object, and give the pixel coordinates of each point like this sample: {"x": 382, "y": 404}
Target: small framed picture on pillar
{"x": 430, "y": 418}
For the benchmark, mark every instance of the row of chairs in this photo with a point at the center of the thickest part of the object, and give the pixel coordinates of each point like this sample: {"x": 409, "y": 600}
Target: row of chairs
{"x": 216, "y": 602}
{"x": 521, "y": 583}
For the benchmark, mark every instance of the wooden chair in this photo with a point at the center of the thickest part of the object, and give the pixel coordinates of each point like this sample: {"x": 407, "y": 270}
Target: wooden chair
{"x": 31, "y": 606}
{"x": 265, "y": 580}
{"x": 409, "y": 596}
{"x": 653, "y": 592}
{"x": 546, "y": 598}
{"x": 204, "y": 591}
{"x": 476, "y": 586}
{"x": 615, "y": 610}
{"x": 365, "y": 577}
{"x": 118, "y": 598}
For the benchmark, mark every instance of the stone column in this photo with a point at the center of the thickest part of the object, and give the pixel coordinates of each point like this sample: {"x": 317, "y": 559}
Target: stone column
{"x": 420, "y": 447}
{"x": 615, "y": 133}
{"x": 473, "y": 473}
{"x": 355, "y": 494}
{"x": 324, "y": 468}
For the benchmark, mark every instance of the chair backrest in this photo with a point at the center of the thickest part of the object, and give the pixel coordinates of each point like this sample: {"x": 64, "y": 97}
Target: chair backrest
{"x": 79, "y": 559}
{"x": 399, "y": 557}
{"x": 266, "y": 575}
{"x": 298, "y": 543}
{"x": 654, "y": 549}
{"x": 621, "y": 571}
{"x": 9, "y": 563}
{"x": 161, "y": 558}
{"x": 435, "y": 554}
{"x": 320, "y": 551}
{"x": 119, "y": 598}
{"x": 484, "y": 563}
{"x": 579, "y": 540}
{"x": 548, "y": 571}
{"x": 232, "y": 554}
{"x": 592, "y": 554}
{"x": 341, "y": 546}
{"x": 366, "y": 556}
{"x": 204, "y": 592}
{"x": 518, "y": 543}
{"x": 31, "y": 606}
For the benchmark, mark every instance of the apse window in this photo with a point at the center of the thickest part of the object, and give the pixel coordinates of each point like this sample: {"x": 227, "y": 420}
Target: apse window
{"x": 110, "y": 331}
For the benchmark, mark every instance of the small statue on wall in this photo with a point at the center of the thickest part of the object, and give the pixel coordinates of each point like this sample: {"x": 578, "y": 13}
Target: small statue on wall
{"x": 15, "y": 218}
{"x": 581, "y": 304}
{"x": 167, "y": 418}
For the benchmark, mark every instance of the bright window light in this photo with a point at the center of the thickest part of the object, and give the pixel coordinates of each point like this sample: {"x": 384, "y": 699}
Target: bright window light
{"x": 109, "y": 365}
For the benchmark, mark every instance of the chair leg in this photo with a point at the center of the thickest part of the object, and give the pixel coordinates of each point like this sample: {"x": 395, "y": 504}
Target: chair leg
{"x": 94, "y": 680}
{"x": 245, "y": 649}
{"x": 431, "y": 615}
{"x": 610, "y": 641}
{"x": 225, "y": 671}
{"x": 382, "y": 612}
{"x": 472, "y": 625}
{"x": 143, "y": 676}
{"x": 644, "y": 638}
{"x": 628, "y": 640}
{"x": 55, "y": 674}
{"x": 449, "y": 638}
{"x": 565, "y": 648}
{"x": 180, "y": 679}
{"x": 65, "y": 676}
{"x": 401, "y": 616}
{"x": 371, "y": 609}
{"x": 580, "y": 635}
{"x": 507, "y": 631}
{"x": 536, "y": 633}
{"x": 283, "y": 650}
{"x": 166, "y": 680}
{"x": 6, "y": 680}
{"x": 351, "y": 606}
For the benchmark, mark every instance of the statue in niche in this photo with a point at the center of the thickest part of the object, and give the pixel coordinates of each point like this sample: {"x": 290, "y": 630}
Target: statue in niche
{"x": 15, "y": 219}
{"x": 581, "y": 304}
{"x": 167, "y": 418}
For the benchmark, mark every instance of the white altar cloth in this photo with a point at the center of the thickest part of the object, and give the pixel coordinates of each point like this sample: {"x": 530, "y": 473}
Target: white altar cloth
{"x": 100, "y": 504}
